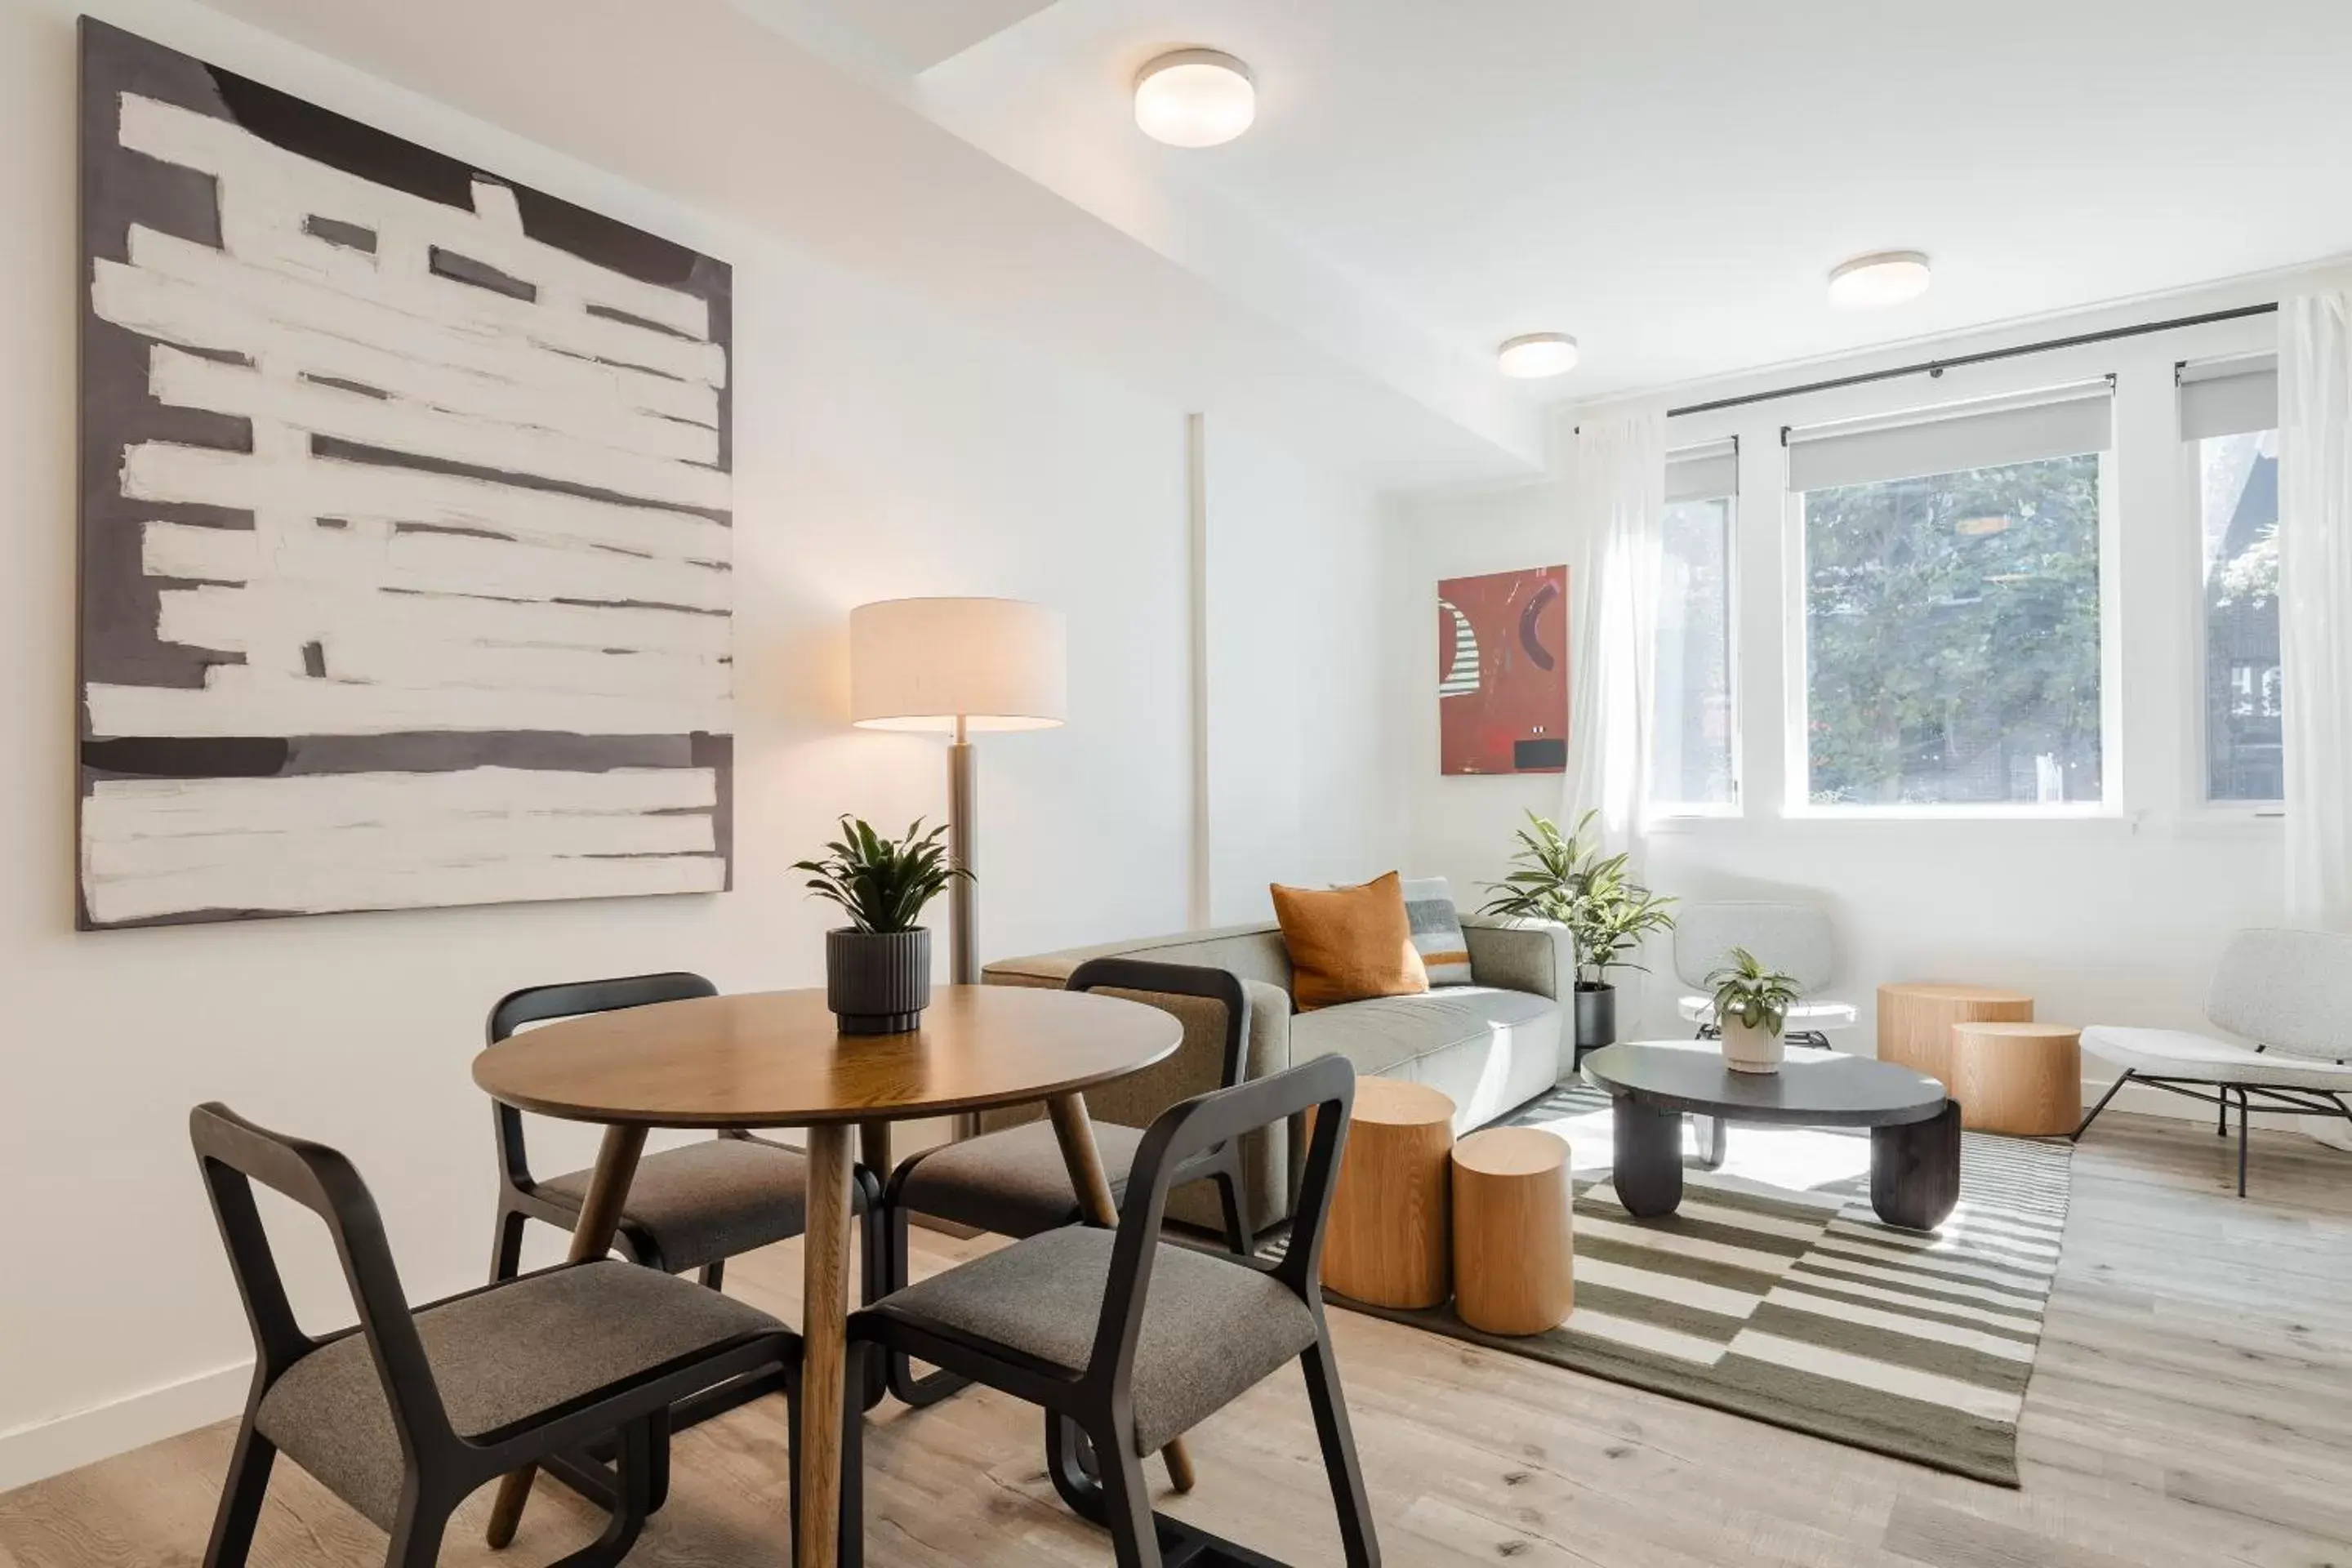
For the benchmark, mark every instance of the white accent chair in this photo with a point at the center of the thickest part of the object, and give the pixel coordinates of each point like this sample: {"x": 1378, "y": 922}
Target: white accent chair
{"x": 2288, "y": 990}
{"x": 1794, "y": 938}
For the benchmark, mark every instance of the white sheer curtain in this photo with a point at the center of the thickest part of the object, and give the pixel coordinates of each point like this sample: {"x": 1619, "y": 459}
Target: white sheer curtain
{"x": 2315, "y": 382}
{"x": 1618, "y": 498}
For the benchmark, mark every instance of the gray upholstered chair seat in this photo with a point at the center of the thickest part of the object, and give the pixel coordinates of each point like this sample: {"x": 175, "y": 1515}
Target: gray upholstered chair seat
{"x": 1013, "y": 1182}
{"x": 707, "y": 1200}
{"x": 498, "y": 1357}
{"x": 1212, "y": 1327}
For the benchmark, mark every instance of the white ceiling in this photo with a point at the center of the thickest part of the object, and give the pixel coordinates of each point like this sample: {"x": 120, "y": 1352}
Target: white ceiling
{"x": 1671, "y": 180}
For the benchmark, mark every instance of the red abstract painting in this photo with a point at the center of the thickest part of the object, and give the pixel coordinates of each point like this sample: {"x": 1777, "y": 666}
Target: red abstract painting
{"x": 1502, "y": 672}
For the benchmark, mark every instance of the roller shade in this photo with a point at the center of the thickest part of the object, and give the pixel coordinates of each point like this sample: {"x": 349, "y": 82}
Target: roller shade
{"x": 1703, "y": 473}
{"x": 2059, "y": 423}
{"x": 2228, "y": 397}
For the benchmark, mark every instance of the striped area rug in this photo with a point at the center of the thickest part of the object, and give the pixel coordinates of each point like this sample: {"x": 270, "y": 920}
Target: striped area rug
{"x": 1774, "y": 1291}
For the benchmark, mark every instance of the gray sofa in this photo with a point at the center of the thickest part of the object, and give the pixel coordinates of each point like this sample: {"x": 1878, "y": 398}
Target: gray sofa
{"x": 1492, "y": 1045}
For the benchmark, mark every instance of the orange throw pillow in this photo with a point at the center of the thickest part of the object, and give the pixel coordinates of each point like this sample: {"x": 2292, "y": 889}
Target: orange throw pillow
{"x": 1348, "y": 944}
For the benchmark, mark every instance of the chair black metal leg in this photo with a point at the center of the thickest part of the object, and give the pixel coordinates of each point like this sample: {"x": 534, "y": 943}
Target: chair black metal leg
{"x": 1229, "y": 1198}
{"x": 714, "y": 1275}
{"x": 506, "y": 1244}
{"x": 904, "y": 1385}
{"x": 416, "y": 1532}
{"x": 1127, "y": 1501}
{"x": 2113, "y": 1089}
{"x": 629, "y": 1509}
{"x": 1068, "y": 1468}
{"x": 2222, "y": 1120}
{"x": 1357, "y": 1533}
{"x": 2245, "y": 1118}
{"x": 240, "y": 1503}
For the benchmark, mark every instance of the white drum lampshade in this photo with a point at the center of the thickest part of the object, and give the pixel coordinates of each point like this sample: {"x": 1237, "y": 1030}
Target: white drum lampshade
{"x": 924, "y": 664}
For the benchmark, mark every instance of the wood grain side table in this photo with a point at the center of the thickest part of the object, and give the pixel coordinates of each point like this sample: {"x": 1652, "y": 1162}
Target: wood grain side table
{"x": 1513, "y": 1252}
{"x": 2025, "y": 1080}
{"x": 1389, "y": 1242}
{"x": 1916, "y": 1019}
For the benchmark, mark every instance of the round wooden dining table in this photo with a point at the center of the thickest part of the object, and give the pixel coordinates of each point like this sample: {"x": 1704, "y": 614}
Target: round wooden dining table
{"x": 775, "y": 1059}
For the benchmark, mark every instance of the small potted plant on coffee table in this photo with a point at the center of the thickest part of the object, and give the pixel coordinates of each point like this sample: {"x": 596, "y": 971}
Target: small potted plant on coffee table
{"x": 877, "y": 968}
{"x": 1751, "y": 1010}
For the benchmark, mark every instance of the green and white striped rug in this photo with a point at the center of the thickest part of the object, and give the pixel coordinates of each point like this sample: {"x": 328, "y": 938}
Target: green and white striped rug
{"x": 1775, "y": 1293}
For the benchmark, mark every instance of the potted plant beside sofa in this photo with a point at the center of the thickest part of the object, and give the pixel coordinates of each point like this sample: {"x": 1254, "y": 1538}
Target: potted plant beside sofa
{"x": 1565, "y": 878}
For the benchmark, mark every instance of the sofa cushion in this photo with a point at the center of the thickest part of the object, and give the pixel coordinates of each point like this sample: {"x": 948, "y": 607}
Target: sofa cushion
{"x": 1437, "y": 932}
{"x": 1490, "y": 1049}
{"x": 1348, "y": 944}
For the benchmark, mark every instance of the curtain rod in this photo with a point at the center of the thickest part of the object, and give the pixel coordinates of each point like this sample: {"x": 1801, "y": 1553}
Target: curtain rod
{"x": 1938, "y": 366}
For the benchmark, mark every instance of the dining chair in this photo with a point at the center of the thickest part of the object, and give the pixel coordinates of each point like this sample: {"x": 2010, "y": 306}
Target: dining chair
{"x": 1127, "y": 1341}
{"x": 688, "y": 1208}
{"x": 1014, "y": 1182}
{"x": 407, "y": 1412}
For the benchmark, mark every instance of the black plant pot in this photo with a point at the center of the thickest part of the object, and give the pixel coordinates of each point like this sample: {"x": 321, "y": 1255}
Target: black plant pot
{"x": 1596, "y": 1016}
{"x": 878, "y": 983}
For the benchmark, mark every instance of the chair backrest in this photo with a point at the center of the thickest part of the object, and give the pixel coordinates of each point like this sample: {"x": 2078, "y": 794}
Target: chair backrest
{"x": 1326, "y": 1086}
{"x": 1216, "y": 985}
{"x": 2288, "y": 990}
{"x": 571, "y": 999}
{"x": 1792, "y": 938}
{"x": 233, "y": 1153}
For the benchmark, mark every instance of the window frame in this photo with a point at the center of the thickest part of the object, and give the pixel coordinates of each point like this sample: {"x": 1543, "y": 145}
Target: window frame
{"x": 1797, "y": 801}
{"x": 2198, "y": 797}
{"x": 1658, "y": 811}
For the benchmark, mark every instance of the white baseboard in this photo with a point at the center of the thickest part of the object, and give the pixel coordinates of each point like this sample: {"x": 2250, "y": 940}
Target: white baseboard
{"x": 43, "y": 1448}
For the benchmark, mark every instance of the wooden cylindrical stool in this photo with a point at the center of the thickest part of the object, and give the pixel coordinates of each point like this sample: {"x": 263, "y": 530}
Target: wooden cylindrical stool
{"x": 1513, "y": 1258}
{"x": 1916, "y": 1019}
{"x": 2020, "y": 1078}
{"x": 1387, "y": 1242}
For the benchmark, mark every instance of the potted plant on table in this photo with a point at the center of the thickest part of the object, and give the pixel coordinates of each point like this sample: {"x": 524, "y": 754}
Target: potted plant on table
{"x": 877, "y": 968}
{"x": 1752, "y": 1011}
{"x": 1565, "y": 879}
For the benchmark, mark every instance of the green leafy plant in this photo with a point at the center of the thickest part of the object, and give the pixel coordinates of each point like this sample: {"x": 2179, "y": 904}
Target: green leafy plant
{"x": 1563, "y": 876}
{"x": 883, "y": 884}
{"x": 1748, "y": 994}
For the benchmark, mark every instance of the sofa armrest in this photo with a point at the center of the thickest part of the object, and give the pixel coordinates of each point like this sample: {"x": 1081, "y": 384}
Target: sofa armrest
{"x": 1537, "y": 956}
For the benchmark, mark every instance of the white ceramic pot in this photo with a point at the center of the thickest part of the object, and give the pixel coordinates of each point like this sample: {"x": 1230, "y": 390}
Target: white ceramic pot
{"x": 1747, "y": 1049}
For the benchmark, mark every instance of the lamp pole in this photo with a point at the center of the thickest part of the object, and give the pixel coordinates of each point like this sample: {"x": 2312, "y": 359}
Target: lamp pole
{"x": 963, "y": 939}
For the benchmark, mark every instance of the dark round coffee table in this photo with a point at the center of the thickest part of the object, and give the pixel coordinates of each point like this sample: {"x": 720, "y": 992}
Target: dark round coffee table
{"x": 1915, "y": 1126}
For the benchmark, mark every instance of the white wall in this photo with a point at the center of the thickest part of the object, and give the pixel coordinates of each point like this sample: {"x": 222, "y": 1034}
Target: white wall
{"x": 883, "y": 448}
{"x": 1306, "y": 769}
{"x": 2110, "y": 920}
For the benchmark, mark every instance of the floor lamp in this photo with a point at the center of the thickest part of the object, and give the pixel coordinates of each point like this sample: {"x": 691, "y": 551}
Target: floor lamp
{"x": 965, "y": 666}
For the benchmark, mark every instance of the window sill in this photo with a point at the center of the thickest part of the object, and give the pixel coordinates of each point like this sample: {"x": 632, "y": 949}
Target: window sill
{"x": 2086, "y": 812}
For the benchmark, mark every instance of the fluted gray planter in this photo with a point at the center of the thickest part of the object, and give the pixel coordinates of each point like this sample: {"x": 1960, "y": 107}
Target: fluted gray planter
{"x": 878, "y": 983}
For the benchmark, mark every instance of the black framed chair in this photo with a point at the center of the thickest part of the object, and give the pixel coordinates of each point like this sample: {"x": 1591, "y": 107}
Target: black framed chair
{"x": 406, "y": 1414}
{"x": 1127, "y": 1341}
{"x": 689, "y": 1208}
{"x": 1013, "y": 1182}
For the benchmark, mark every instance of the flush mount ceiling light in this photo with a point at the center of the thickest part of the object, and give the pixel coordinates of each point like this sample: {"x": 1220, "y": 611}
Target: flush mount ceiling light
{"x": 1882, "y": 278}
{"x": 1538, "y": 355}
{"x": 1195, "y": 97}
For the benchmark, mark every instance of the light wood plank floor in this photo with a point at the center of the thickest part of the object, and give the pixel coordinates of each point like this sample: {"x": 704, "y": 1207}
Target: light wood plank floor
{"x": 2192, "y": 1405}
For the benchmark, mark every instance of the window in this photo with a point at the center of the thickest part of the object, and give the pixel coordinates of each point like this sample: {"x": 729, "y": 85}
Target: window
{"x": 1691, "y": 750}
{"x": 2230, "y": 411}
{"x": 1952, "y": 606}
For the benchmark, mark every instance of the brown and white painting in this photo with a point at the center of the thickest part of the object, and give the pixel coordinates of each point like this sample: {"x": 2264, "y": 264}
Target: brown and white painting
{"x": 406, "y": 522}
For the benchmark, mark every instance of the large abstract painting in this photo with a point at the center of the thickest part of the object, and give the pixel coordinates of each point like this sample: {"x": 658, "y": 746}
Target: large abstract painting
{"x": 1502, "y": 672}
{"x": 404, "y": 522}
